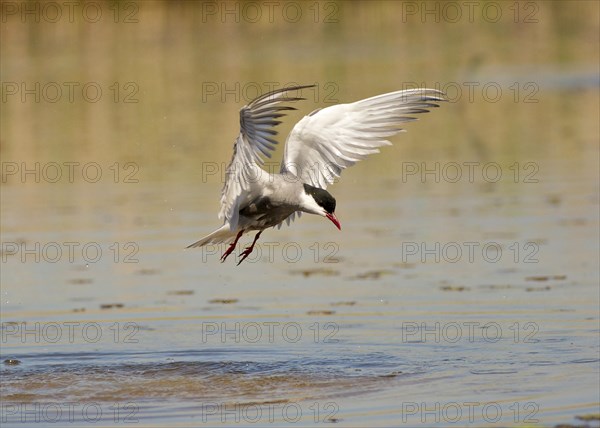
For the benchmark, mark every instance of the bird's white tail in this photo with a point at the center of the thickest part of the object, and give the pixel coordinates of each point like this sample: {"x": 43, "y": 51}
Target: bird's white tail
{"x": 219, "y": 236}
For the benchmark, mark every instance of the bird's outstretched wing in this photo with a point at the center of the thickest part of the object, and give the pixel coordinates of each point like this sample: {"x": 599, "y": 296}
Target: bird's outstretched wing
{"x": 257, "y": 120}
{"x": 326, "y": 141}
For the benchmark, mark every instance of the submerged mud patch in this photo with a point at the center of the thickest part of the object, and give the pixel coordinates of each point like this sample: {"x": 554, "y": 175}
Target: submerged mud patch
{"x": 165, "y": 378}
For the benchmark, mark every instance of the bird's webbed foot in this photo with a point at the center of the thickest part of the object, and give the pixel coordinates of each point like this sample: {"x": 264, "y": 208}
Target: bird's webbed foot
{"x": 249, "y": 249}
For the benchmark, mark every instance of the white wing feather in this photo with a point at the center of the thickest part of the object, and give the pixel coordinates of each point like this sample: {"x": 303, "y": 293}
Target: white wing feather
{"x": 255, "y": 140}
{"x": 326, "y": 141}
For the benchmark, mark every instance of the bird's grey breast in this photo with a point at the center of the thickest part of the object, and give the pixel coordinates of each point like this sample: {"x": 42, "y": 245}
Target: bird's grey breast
{"x": 264, "y": 212}
{"x": 257, "y": 207}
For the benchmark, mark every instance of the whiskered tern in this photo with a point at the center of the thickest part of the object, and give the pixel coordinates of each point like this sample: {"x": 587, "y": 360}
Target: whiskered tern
{"x": 318, "y": 148}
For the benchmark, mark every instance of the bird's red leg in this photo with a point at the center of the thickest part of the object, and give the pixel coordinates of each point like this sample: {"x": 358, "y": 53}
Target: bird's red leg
{"x": 231, "y": 247}
{"x": 249, "y": 249}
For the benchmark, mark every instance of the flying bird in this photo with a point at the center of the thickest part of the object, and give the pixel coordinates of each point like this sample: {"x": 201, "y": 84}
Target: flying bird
{"x": 318, "y": 148}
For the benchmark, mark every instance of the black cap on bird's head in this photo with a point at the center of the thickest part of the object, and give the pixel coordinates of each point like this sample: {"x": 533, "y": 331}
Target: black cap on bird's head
{"x": 325, "y": 201}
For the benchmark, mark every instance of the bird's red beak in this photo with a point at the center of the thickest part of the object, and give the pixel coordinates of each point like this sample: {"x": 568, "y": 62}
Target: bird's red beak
{"x": 334, "y": 220}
